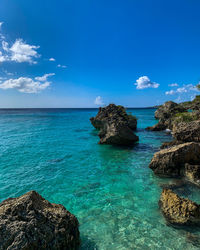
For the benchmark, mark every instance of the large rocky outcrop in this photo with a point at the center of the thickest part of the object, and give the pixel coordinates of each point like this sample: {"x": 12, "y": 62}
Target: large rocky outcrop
{"x": 115, "y": 125}
{"x": 30, "y": 222}
{"x": 171, "y": 161}
{"x": 194, "y": 104}
{"x": 187, "y": 131}
{"x": 165, "y": 114}
{"x": 168, "y": 109}
{"x": 177, "y": 210}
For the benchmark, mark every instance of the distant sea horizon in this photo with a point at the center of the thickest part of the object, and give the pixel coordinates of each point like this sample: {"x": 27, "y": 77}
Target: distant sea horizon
{"x": 153, "y": 107}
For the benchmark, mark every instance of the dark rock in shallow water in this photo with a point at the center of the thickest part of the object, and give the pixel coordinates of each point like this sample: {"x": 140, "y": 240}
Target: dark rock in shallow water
{"x": 170, "y": 162}
{"x": 187, "y": 131}
{"x": 177, "y": 210}
{"x": 115, "y": 125}
{"x": 157, "y": 127}
{"x": 31, "y": 222}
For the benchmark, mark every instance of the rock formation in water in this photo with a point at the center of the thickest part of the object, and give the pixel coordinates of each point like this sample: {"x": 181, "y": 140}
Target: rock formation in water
{"x": 177, "y": 210}
{"x": 165, "y": 114}
{"x": 170, "y": 162}
{"x": 31, "y": 222}
{"x": 187, "y": 131}
{"x": 115, "y": 125}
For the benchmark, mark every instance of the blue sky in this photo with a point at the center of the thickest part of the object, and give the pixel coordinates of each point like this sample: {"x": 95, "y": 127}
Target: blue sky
{"x": 102, "y": 51}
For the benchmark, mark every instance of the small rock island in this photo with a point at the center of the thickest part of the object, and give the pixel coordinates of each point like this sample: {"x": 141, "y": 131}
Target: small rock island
{"x": 115, "y": 126}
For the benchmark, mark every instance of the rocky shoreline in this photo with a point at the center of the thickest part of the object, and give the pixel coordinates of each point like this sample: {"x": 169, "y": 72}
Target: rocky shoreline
{"x": 31, "y": 222}
{"x": 179, "y": 158}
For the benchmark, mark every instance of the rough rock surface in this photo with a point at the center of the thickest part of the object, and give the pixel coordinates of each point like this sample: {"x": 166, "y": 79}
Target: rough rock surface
{"x": 115, "y": 125}
{"x": 170, "y": 144}
{"x": 168, "y": 109}
{"x": 165, "y": 114}
{"x": 171, "y": 161}
{"x": 192, "y": 173}
{"x": 187, "y": 131}
{"x": 30, "y": 222}
{"x": 177, "y": 210}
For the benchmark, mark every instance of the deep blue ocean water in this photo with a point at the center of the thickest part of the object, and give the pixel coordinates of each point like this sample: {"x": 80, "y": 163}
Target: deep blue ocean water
{"x": 110, "y": 189}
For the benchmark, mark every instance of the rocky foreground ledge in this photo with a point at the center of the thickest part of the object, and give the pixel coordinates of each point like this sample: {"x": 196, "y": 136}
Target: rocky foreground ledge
{"x": 179, "y": 211}
{"x": 115, "y": 125}
{"x": 30, "y": 222}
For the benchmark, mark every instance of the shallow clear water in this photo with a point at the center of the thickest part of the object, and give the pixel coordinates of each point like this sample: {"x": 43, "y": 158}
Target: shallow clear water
{"x": 110, "y": 189}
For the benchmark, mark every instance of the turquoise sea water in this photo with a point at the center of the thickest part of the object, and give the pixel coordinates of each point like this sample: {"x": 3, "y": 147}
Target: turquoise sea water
{"x": 110, "y": 189}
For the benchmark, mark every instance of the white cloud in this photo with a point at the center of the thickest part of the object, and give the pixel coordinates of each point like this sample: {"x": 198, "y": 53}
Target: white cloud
{"x": 98, "y": 101}
{"x": 26, "y": 84}
{"x": 52, "y": 59}
{"x": 182, "y": 90}
{"x": 173, "y": 85}
{"x": 171, "y": 92}
{"x": 5, "y": 46}
{"x": 22, "y": 52}
{"x": 19, "y": 51}
{"x": 144, "y": 82}
{"x": 44, "y": 77}
{"x": 2, "y": 57}
{"x": 61, "y": 66}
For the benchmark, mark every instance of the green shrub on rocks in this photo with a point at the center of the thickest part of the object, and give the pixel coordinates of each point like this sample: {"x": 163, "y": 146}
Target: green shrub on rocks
{"x": 185, "y": 117}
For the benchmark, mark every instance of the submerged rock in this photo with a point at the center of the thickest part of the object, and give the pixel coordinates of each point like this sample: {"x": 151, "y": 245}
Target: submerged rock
{"x": 171, "y": 161}
{"x": 177, "y": 210}
{"x": 187, "y": 131}
{"x": 115, "y": 125}
{"x": 31, "y": 222}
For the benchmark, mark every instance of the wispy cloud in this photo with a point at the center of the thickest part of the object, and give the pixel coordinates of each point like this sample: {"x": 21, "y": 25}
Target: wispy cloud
{"x": 61, "y": 66}
{"x": 99, "y": 101}
{"x": 44, "y": 77}
{"x": 184, "y": 92}
{"x": 184, "y": 89}
{"x": 144, "y": 82}
{"x": 26, "y": 84}
{"x": 170, "y": 92}
{"x": 173, "y": 85}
